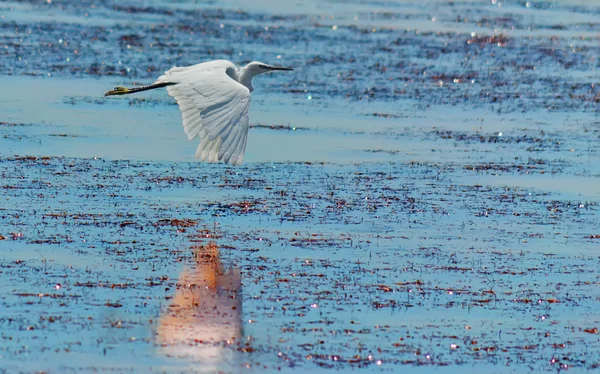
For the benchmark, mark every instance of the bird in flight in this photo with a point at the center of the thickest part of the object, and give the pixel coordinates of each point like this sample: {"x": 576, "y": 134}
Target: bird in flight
{"x": 214, "y": 98}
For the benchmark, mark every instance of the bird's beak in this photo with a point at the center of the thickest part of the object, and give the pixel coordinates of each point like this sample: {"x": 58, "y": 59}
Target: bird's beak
{"x": 280, "y": 68}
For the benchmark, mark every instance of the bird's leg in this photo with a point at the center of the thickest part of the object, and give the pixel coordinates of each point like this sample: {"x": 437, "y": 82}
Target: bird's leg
{"x": 124, "y": 90}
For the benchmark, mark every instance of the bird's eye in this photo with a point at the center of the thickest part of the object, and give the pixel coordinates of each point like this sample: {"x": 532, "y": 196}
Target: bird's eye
{"x": 263, "y": 66}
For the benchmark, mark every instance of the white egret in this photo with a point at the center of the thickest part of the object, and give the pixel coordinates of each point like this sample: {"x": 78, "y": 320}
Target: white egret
{"x": 214, "y": 98}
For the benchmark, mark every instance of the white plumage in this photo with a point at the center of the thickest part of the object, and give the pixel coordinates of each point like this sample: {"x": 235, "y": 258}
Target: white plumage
{"x": 214, "y": 99}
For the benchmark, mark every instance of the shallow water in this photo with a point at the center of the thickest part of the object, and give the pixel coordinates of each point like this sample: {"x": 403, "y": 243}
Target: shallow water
{"x": 420, "y": 194}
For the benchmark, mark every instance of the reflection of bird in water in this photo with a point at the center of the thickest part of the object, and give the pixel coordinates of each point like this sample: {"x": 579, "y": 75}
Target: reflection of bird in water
{"x": 204, "y": 317}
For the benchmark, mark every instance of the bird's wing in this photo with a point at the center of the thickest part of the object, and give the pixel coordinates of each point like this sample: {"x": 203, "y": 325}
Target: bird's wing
{"x": 213, "y": 106}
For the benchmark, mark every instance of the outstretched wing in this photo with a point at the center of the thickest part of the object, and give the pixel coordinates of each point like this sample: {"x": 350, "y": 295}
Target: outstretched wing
{"x": 213, "y": 106}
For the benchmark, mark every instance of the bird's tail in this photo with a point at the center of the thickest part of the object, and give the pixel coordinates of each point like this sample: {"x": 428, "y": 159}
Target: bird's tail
{"x": 125, "y": 91}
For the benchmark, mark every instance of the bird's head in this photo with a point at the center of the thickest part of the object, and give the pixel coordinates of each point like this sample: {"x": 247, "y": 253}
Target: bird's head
{"x": 256, "y": 68}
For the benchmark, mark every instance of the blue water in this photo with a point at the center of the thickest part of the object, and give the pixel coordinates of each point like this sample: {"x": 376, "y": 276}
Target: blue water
{"x": 435, "y": 208}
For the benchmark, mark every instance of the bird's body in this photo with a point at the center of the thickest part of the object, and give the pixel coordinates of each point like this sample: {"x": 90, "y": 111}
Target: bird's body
{"x": 214, "y": 99}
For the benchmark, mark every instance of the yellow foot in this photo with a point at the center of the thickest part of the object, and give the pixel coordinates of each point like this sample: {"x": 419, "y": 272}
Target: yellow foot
{"x": 118, "y": 91}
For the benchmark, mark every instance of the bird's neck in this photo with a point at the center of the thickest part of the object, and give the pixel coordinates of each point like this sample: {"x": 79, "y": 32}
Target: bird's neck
{"x": 245, "y": 78}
